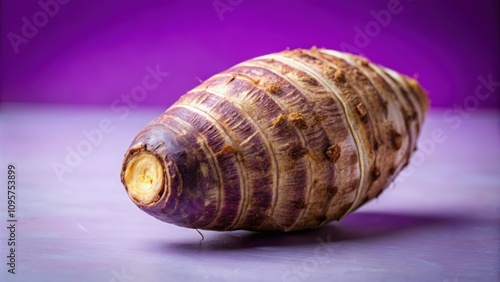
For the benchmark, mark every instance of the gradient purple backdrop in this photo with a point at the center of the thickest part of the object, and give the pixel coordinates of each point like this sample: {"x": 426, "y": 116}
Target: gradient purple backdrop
{"x": 91, "y": 52}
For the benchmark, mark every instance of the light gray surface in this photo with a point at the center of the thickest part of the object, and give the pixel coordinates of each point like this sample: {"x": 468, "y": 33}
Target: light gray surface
{"x": 440, "y": 222}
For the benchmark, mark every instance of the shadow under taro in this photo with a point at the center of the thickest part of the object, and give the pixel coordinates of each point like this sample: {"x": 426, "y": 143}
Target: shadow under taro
{"x": 357, "y": 226}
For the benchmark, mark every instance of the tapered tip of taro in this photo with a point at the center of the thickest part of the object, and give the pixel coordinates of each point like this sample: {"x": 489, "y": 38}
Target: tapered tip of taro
{"x": 144, "y": 178}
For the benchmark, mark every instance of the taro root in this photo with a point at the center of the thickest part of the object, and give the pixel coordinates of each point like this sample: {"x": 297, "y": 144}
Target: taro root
{"x": 283, "y": 142}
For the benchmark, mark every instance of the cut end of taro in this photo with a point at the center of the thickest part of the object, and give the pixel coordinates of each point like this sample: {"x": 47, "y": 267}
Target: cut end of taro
{"x": 144, "y": 178}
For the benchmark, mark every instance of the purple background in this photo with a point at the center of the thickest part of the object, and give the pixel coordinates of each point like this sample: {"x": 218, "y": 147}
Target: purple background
{"x": 93, "y": 53}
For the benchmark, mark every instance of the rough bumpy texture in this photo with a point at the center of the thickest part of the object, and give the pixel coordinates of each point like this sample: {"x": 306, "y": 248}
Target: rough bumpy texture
{"x": 286, "y": 141}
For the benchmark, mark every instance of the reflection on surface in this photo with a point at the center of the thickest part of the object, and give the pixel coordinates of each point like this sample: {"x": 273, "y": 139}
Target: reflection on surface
{"x": 357, "y": 226}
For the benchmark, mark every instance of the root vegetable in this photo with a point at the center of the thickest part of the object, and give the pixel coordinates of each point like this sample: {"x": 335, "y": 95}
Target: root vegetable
{"x": 283, "y": 142}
